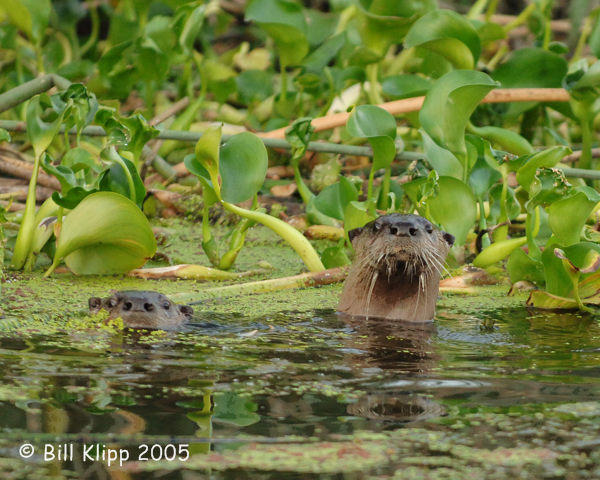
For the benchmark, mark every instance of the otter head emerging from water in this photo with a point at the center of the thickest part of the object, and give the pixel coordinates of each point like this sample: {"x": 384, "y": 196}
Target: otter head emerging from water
{"x": 396, "y": 270}
{"x": 143, "y": 309}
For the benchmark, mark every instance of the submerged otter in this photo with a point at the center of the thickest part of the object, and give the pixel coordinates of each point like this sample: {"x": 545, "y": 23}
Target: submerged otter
{"x": 396, "y": 271}
{"x": 143, "y": 309}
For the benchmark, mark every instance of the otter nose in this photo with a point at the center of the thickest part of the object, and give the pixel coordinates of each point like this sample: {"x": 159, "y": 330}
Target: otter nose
{"x": 137, "y": 305}
{"x": 404, "y": 229}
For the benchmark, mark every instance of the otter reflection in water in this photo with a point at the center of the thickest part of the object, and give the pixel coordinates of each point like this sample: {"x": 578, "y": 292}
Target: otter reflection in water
{"x": 396, "y": 270}
{"x": 404, "y": 349}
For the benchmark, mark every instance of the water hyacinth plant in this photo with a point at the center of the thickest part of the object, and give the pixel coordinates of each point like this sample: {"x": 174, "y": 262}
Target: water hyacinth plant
{"x": 438, "y": 116}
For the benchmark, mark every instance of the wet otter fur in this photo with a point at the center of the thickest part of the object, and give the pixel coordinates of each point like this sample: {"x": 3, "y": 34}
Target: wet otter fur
{"x": 397, "y": 268}
{"x": 143, "y": 309}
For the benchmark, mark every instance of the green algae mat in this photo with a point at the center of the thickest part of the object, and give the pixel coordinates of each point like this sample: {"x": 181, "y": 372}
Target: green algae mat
{"x": 278, "y": 386}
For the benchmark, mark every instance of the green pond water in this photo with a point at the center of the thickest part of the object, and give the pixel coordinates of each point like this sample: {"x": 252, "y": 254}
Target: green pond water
{"x": 278, "y": 386}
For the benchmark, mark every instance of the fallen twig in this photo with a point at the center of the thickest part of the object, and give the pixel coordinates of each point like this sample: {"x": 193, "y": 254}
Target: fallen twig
{"x": 169, "y": 112}
{"x": 414, "y": 104}
{"x": 304, "y": 280}
{"x": 17, "y": 189}
{"x": 9, "y": 165}
{"x": 575, "y": 156}
{"x": 191, "y": 272}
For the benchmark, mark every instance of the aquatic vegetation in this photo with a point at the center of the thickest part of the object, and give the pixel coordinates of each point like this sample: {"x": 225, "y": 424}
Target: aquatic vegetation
{"x": 201, "y": 139}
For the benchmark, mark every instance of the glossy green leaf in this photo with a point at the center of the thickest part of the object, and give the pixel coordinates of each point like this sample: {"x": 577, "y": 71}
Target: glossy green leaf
{"x": 105, "y": 234}
{"x": 40, "y": 132}
{"x": 383, "y": 22}
{"x": 116, "y": 179}
{"x": 368, "y": 121}
{"x": 482, "y": 178}
{"x": 531, "y": 67}
{"x": 138, "y": 134}
{"x": 243, "y": 166}
{"x": 448, "y": 34}
{"x": 443, "y": 161}
{"x": 454, "y": 207}
{"x": 73, "y": 197}
{"x": 558, "y": 280}
{"x": 568, "y": 216}
{"x": 207, "y": 156}
{"x": 448, "y": 106}
{"x": 521, "y": 266}
{"x": 320, "y": 58}
{"x": 333, "y": 257}
{"x": 285, "y": 22}
{"x": 547, "y": 301}
{"x": 30, "y": 16}
{"x": 189, "y": 19}
{"x": 80, "y": 106}
{"x": 506, "y": 139}
{"x": 583, "y": 257}
{"x": 546, "y": 158}
{"x": 334, "y": 199}
{"x": 44, "y": 225}
{"x": 405, "y": 86}
{"x": 209, "y": 195}
{"x": 254, "y": 85}
{"x": 80, "y": 159}
{"x": 379, "y": 127}
{"x": 356, "y": 214}
{"x": 63, "y": 174}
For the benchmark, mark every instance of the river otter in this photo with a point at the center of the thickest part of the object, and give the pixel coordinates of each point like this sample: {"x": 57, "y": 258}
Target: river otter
{"x": 143, "y": 309}
{"x": 396, "y": 271}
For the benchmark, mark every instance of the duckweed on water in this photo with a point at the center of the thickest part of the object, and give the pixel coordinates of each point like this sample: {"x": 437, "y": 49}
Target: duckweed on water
{"x": 278, "y": 385}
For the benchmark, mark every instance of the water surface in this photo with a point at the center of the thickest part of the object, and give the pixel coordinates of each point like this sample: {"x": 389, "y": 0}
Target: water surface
{"x": 482, "y": 392}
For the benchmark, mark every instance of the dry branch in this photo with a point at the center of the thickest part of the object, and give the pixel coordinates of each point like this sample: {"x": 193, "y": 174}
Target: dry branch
{"x": 414, "y": 104}
{"x": 12, "y": 166}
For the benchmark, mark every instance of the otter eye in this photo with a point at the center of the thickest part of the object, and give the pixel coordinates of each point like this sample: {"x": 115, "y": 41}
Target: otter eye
{"x": 429, "y": 229}
{"x": 166, "y": 305}
{"x": 127, "y": 306}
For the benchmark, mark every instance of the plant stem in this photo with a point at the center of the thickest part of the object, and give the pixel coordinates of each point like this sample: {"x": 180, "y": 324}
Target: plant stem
{"x": 185, "y": 136}
{"x": 585, "y": 161}
{"x": 209, "y": 245}
{"x": 499, "y": 55}
{"x": 115, "y": 157}
{"x": 476, "y": 9}
{"x": 485, "y": 238}
{"x": 491, "y": 10}
{"x": 296, "y": 240}
{"x": 93, "y": 9}
{"x": 304, "y": 280}
{"x": 372, "y": 77}
{"x": 303, "y": 190}
{"x": 25, "y": 235}
{"x": 521, "y": 18}
{"x": 284, "y": 83}
{"x": 586, "y": 30}
{"x": 25, "y": 91}
{"x": 385, "y": 189}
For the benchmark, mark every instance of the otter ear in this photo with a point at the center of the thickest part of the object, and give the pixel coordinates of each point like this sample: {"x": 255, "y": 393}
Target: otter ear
{"x": 186, "y": 310}
{"x": 95, "y": 303}
{"x": 449, "y": 238}
{"x": 352, "y": 234}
